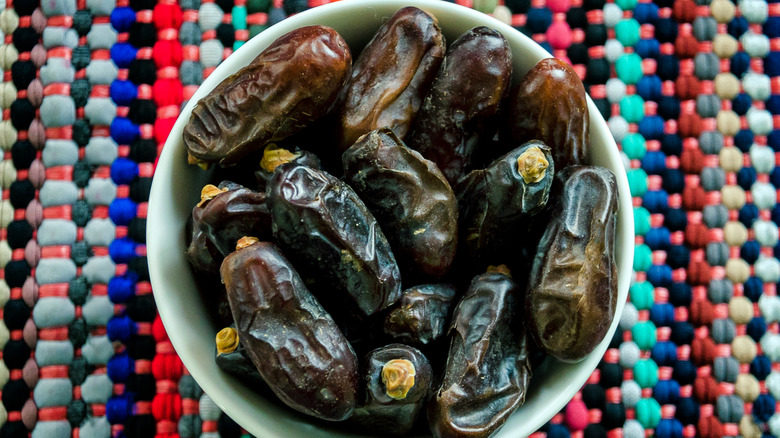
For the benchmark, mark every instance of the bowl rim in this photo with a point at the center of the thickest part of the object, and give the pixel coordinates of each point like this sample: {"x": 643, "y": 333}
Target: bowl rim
{"x": 156, "y": 244}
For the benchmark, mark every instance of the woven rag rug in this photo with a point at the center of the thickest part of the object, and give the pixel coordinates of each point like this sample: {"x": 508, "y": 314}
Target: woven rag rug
{"x": 91, "y": 89}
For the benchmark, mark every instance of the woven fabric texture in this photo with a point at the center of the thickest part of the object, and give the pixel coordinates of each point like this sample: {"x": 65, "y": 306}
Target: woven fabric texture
{"x": 91, "y": 89}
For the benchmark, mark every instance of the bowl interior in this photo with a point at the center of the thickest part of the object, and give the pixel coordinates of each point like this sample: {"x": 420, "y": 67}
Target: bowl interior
{"x": 176, "y": 189}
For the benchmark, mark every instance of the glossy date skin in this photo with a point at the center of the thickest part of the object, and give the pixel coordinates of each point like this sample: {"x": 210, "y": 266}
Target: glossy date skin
{"x": 549, "y": 105}
{"x": 572, "y": 289}
{"x": 291, "y": 83}
{"x": 500, "y": 198}
{"x": 295, "y": 345}
{"x": 389, "y": 405}
{"x": 487, "y": 370}
{"x": 332, "y": 236}
{"x": 391, "y": 76}
{"x": 459, "y": 114}
{"x": 218, "y": 223}
{"x": 422, "y": 314}
{"x": 410, "y": 199}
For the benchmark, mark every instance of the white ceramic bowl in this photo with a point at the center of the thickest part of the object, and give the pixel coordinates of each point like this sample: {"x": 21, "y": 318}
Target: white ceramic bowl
{"x": 176, "y": 188}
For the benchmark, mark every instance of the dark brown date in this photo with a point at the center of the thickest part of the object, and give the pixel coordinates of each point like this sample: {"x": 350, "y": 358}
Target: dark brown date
{"x": 291, "y": 83}
{"x": 460, "y": 111}
{"x": 274, "y": 156}
{"x": 396, "y": 382}
{"x": 295, "y": 345}
{"x": 224, "y": 215}
{"x": 422, "y": 314}
{"x": 332, "y": 236}
{"x": 487, "y": 370}
{"x": 496, "y": 200}
{"x": 572, "y": 289}
{"x": 410, "y": 199}
{"x": 391, "y": 76}
{"x": 549, "y": 105}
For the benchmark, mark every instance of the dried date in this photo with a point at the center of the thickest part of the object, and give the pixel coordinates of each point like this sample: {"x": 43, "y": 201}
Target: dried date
{"x": 291, "y": 83}
{"x": 396, "y": 382}
{"x": 572, "y": 289}
{"x": 549, "y": 105}
{"x": 410, "y": 199}
{"x": 459, "y": 113}
{"x": 496, "y": 201}
{"x": 224, "y": 215}
{"x": 294, "y": 343}
{"x": 332, "y": 236}
{"x": 391, "y": 76}
{"x": 487, "y": 370}
{"x": 422, "y": 314}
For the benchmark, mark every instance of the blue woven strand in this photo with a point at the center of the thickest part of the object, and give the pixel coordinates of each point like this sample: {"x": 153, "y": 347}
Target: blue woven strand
{"x": 121, "y": 328}
{"x": 664, "y": 354}
{"x": 748, "y": 214}
{"x": 772, "y": 62}
{"x": 660, "y": 275}
{"x": 123, "y": 131}
{"x": 658, "y": 238}
{"x": 123, "y": 171}
{"x": 123, "y": 54}
{"x": 666, "y": 392}
{"x": 123, "y": 92}
{"x": 750, "y": 251}
{"x": 119, "y": 408}
{"x": 753, "y": 289}
{"x": 669, "y": 428}
{"x": 120, "y": 367}
{"x": 122, "y": 18}
{"x": 652, "y": 127}
{"x": 760, "y": 367}
{"x": 122, "y": 211}
{"x": 656, "y": 201}
{"x": 654, "y": 162}
{"x": 662, "y": 314}
{"x": 121, "y": 289}
{"x": 756, "y": 328}
{"x": 122, "y": 250}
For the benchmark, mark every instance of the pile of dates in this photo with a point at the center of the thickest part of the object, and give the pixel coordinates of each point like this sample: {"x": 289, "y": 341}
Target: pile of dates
{"x": 397, "y": 242}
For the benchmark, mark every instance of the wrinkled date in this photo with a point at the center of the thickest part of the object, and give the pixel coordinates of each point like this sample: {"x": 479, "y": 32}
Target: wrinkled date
{"x": 396, "y": 382}
{"x": 410, "y": 199}
{"x": 459, "y": 112}
{"x": 549, "y": 105}
{"x": 224, "y": 215}
{"x": 295, "y": 345}
{"x": 330, "y": 232}
{"x": 572, "y": 289}
{"x": 496, "y": 200}
{"x": 422, "y": 313}
{"x": 292, "y": 82}
{"x": 391, "y": 76}
{"x": 487, "y": 370}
